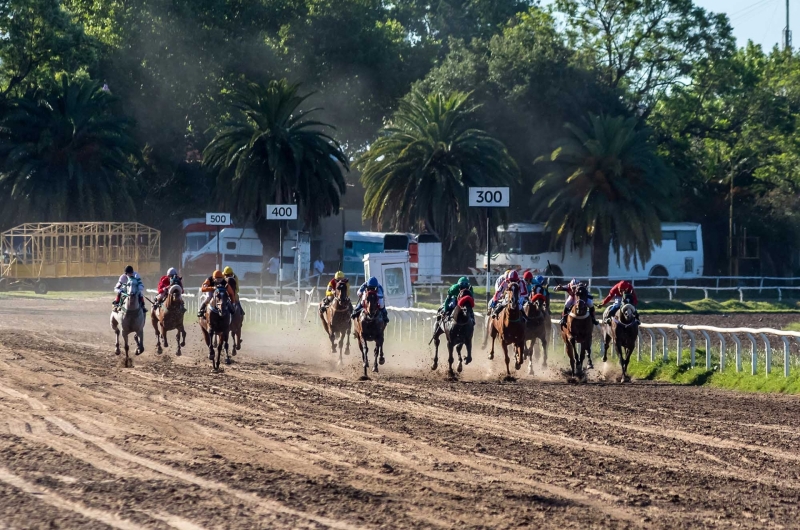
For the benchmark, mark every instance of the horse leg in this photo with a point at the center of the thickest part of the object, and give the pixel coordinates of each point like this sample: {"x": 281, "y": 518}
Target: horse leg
{"x": 508, "y": 360}
{"x": 379, "y": 342}
{"x": 450, "y": 372}
{"x": 519, "y": 355}
{"x": 349, "y": 329}
{"x": 363, "y": 346}
{"x": 606, "y": 343}
{"x": 460, "y": 360}
{"x": 116, "y": 344}
{"x": 225, "y": 339}
{"x": 178, "y": 340}
{"x": 543, "y": 341}
{"x": 164, "y": 335}
{"x": 624, "y": 358}
{"x": 468, "y": 344}
{"x": 376, "y": 352}
{"x": 530, "y": 356}
{"x": 587, "y": 353}
{"x": 493, "y": 333}
{"x": 436, "y": 343}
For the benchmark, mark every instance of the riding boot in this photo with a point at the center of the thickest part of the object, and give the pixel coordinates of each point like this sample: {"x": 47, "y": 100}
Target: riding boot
{"x": 201, "y": 311}
{"x": 594, "y": 320}
{"x": 385, "y": 315}
{"x": 563, "y": 321}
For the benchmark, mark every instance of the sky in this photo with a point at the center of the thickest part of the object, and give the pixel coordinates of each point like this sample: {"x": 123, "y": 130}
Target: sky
{"x": 761, "y": 21}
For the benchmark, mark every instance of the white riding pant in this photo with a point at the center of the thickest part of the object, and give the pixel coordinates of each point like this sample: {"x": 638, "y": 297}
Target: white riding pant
{"x": 571, "y": 302}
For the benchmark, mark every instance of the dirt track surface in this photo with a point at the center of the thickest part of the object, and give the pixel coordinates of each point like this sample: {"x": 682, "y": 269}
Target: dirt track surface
{"x": 276, "y": 443}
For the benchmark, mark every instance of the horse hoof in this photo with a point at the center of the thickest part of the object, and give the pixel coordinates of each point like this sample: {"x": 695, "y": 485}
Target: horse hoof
{"x": 183, "y": 343}
{"x": 460, "y": 367}
{"x": 117, "y": 352}
{"x": 434, "y": 367}
{"x": 509, "y": 379}
{"x": 233, "y": 352}
{"x": 468, "y": 359}
{"x": 381, "y": 361}
{"x": 228, "y": 360}
{"x": 178, "y": 353}
{"x": 491, "y": 357}
{"x": 375, "y": 369}
{"x": 210, "y": 356}
{"x": 451, "y": 375}
{"x": 605, "y": 359}
{"x": 364, "y": 378}
{"x": 347, "y": 351}
{"x": 517, "y": 366}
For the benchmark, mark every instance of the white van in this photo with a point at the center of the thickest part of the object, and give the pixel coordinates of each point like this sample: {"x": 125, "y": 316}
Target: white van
{"x": 393, "y": 271}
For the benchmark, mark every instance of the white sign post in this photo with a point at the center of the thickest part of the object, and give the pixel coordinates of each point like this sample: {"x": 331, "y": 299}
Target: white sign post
{"x": 281, "y": 212}
{"x": 489, "y": 198}
{"x": 218, "y": 219}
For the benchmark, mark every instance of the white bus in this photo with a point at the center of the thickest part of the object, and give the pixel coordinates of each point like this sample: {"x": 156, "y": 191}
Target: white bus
{"x": 527, "y": 246}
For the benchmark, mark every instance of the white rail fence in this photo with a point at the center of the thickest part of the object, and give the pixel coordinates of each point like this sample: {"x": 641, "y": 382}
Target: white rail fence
{"x": 718, "y": 346}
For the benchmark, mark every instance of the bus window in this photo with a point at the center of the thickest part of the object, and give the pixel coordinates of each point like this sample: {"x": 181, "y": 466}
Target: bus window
{"x": 669, "y": 235}
{"x": 686, "y": 240}
{"x": 534, "y": 242}
{"x": 508, "y": 242}
{"x": 348, "y": 244}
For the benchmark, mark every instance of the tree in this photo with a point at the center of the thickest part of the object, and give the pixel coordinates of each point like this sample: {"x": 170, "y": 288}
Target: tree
{"x": 67, "y": 157}
{"x": 607, "y": 187}
{"x": 39, "y": 38}
{"x": 646, "y": 46}
{"x": 418, "y": 172}
{"x": 270, "y": 152}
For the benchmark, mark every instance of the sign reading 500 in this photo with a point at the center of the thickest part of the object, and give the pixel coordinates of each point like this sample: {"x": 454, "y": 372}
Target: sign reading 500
{"x": 218, "y": 219}
{"x": 489, "y": 197}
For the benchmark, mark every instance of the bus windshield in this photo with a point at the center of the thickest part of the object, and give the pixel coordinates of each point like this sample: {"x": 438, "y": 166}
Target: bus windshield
{"x": 529, "y": 243}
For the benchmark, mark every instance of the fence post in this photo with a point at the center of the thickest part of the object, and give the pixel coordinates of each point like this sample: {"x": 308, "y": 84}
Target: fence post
{"x": 753, "y": 353}
{"x": 708, "y": 349}
{"x": 738, "y": 352}
{"x": 692, "y": 347}
{"x": 680, "y": 344}
{"x": 741, "y": 295}
{"x": 652, "y": 346}
{"x": 722, "y": 351}
{"x": 665, "y": 354}
{"x": 639, "y": 346}
{"x": 768, "y": 356}
{"x": 786, "y": 349}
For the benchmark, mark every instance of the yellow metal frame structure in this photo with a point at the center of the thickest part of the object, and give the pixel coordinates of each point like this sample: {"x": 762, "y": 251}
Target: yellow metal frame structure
{"x": 78, "y": 250}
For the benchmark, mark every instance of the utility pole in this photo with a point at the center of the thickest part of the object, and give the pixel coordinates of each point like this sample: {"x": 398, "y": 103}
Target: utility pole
{"x": 787, "y": 33}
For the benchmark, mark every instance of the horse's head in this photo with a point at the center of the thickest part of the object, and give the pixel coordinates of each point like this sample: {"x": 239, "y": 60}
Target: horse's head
{"x": 627, "y": 298}
{"x": 131, "y": 302}
{"x": 627, "y": 313}
{"x": 341, "y": 291}
{"x": 464, "y": 306}
{"x": 512, "y": 295}
{"x": 372, "y": 305}
{"x": 220, "y": 302}
{"x": 582, "y": 292}
{"x": 174, "y": 295}
{"x": 581, "y": 307}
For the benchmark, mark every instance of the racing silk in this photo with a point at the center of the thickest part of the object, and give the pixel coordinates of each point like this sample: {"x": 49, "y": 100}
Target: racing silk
{"x": 618, "y": 290}
{"x": 362, "y": 291}
{"x": 331, "y": 290}
{"x": 571, "y": 291}
{"x": 452, "y": 296}
{"x": 523, "y": 290}
{"x": 233, "y": 284}
{"x": 208, "y": 285}
{"x": 129, "y": 285}
{"x": 165, "y": 283}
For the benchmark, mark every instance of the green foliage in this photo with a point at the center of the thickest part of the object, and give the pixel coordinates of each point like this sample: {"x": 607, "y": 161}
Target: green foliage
{"x": 418, "y": 172}
{"x": 67, "y": 156}
{"x": 269, "y": 151}
{"x": 607, "y": 187}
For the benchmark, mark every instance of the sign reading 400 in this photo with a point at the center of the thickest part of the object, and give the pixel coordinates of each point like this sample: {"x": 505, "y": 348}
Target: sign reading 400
{"x": 489, "y": 197}
{"x": 281, "y": 211}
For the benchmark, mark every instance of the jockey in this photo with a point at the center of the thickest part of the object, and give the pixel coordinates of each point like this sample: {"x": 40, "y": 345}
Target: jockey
{"x": 512, "y": 277}
{"x": 217, "y": 279}
{"x": 167, "y": 281}
{"x": 129, "y": 283}
{"x": 536, "y": 285}
{"x": 616, "y": 293}
{"x": 331, "y": 290}
{"x": 233, "y": 283}
{"x": 572, "y": 296}
{"x": 452, "y": 297}
{"x": 372, "y": 283}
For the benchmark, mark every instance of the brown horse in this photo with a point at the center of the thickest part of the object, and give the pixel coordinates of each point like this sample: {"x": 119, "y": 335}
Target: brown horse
{"x": 169, "y": 316}
{"x": 578, "y": 331}
{"x": 458, "y": 330}
{"x": 623, "y": 329}
{"x": 510, "y": 327}
{"x": 216, "y": 325}
{"x": 536, "y": 328}
{"x": 369, "y": 328}
{"x": 237, "y": 320}
{"x": 336, "y": 320}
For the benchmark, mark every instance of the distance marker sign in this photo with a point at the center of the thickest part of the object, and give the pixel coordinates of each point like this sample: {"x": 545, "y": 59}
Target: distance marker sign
{"x": 218, "y": 219}
{"x": 281, "y": 212}
{"x": 489, "y": 197}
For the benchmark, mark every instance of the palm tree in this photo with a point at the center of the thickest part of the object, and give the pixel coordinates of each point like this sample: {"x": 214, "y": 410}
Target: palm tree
{"x": 608, "y": 188}
{"x": 417, "y": 174}
{"x": 67, "y": 157}
{"x": 270, "y": 152}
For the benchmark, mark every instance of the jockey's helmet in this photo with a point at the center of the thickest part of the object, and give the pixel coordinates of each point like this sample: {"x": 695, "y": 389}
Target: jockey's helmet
{"x": 463, "y": 282}
{"x": 373, "y": 282}
{"x": 339, "y": 275}
{"x": 217, "y": 275}
{"x": 129, "y": 270}
{"x": 574, "y": 282}
{"x": 172, "y": 272}
{"x": 227, "y": 271}
{"x": 539, "y": 279}
{"x": 528, "y": 276}
{"x": 513, "y": 276}
{"x": 505, "y": 274}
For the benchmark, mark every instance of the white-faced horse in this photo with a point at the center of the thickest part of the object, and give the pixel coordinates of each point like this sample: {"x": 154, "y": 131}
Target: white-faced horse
{"x": 129, "y": 319}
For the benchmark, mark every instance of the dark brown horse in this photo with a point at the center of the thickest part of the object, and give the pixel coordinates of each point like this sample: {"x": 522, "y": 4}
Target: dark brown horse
{"x": 578, "y": 332}
{"x": 169, "y": 316}
{"x": 457, "y": 329}
{"x": 237, "y": 321}
{"x": 336, "y": 320}
{"x": 369, "y": 328}
{"x": 510, "y": 327}
{"x": 216, "y": 325}
{"x": 536, "y": 328}
{"x": 623, "y": 330}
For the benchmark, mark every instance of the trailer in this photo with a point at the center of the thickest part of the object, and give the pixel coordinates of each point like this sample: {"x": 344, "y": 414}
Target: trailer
{"x": 35, "y": 254}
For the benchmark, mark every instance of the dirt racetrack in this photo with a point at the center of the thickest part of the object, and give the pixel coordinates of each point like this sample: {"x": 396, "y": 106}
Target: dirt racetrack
{"x": 280, "y": 439}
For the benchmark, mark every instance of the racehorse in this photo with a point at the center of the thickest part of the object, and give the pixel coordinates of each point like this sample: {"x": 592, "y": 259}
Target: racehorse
{"x": 536, "y": 328}
{"x": 129, "y": 319}
{"x": 457, "y": 330}
{"x": 336, "y": 320}
{"x": 216, "y": 324}
{"x": 578, "y": 331}
{"x": 510, "y": 327}
{"x": 623, "y": 329}
{"x": 369, "y": 328}
{"x": 169, "y": 316}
